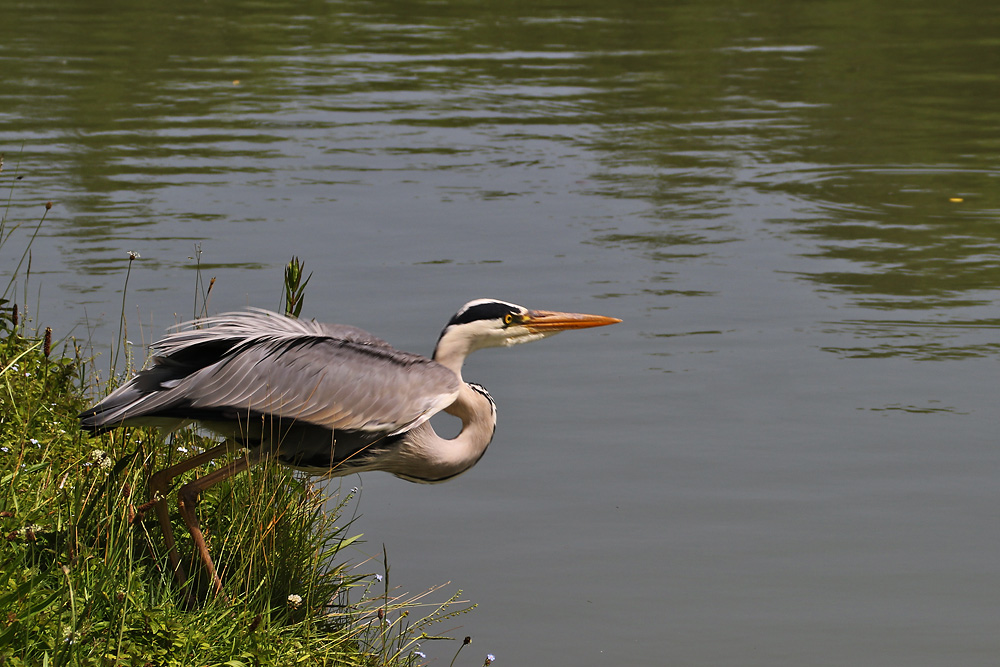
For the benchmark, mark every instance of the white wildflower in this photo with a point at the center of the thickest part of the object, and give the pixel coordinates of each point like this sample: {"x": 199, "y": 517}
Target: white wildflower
{"x": 33, "y": 528}
{"x": 294, "y": 601}
{"x": 101, "y": 458}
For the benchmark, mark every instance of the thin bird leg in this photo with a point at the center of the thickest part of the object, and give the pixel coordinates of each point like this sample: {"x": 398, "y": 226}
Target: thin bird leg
{"x": 187, "y": 499}
{"x": 159, "y": 487}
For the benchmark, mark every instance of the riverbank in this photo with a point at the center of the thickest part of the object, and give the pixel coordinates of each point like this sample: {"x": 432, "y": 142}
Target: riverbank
{"x": 84, "y": 574}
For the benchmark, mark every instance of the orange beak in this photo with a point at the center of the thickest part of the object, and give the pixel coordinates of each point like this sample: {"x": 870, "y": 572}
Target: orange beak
{"x": 544, "y": 321}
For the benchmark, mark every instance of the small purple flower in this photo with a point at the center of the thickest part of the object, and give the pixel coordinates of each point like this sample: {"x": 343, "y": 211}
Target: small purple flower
{"x": 420, "y": 653}
{"x": 489, "y": 659}
{"x": 378, "y": 577}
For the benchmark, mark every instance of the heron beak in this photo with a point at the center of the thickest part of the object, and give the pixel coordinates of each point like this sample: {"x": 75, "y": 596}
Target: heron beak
{"x": 547, "y": 321}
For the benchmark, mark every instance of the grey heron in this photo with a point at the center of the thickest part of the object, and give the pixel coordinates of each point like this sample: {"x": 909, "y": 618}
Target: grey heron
{"x": 328, "y": 399}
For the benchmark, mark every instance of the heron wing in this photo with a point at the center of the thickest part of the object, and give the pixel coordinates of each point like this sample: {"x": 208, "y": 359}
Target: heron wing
{"x": 334, "y": 376}
{"x": 330, "y": 382}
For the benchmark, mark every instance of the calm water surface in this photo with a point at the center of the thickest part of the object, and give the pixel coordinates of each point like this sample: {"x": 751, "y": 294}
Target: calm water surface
{"x": 785, "y": 455}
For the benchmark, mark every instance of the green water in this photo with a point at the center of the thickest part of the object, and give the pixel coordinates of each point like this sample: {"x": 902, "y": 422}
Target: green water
{"x": 785, "y": 454}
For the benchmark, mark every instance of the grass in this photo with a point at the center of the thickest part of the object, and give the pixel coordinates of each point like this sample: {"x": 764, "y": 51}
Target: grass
{"x": 84, "y": 575}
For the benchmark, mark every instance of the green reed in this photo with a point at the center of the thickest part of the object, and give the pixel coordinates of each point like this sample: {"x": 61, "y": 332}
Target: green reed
{"x": 84, "y": 575}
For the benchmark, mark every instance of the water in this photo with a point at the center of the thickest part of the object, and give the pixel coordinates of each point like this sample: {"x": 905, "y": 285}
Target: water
{"x": 785, "y": 453}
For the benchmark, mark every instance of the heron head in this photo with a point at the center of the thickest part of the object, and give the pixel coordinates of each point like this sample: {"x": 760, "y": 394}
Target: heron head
{"x": 493, "y": 323}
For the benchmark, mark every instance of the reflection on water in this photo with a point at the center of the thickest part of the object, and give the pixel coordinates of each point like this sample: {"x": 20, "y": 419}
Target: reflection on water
{"x": 921, "y": 341}
{"x": 792, "y": 206}
{"x": 926, "y": 240}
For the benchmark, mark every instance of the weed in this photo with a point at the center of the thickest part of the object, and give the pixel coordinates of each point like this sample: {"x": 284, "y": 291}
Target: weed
{"x": 84, "y": 574}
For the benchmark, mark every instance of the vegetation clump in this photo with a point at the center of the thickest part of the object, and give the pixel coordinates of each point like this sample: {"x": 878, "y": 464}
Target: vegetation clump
{"x": 84, "y": 574}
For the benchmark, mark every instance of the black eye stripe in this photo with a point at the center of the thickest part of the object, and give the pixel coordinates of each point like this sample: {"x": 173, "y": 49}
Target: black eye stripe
{"x": 483, "y": 311}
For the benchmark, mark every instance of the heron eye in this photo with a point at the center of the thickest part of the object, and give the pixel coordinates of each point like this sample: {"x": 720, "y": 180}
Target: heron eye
{"x": 508, "y": 318}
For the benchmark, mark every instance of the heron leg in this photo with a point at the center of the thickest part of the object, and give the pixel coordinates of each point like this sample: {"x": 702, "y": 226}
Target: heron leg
{"x": 187, "y": 500}
{"x": 159, "y": 487}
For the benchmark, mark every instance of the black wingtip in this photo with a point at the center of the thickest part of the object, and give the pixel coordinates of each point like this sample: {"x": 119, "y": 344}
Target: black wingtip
{"x": 90, "y": 421}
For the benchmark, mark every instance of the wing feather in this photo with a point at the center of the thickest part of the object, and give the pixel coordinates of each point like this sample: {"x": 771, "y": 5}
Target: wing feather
{"x": 334, "y": 376}
{"x": 327, "y": 382}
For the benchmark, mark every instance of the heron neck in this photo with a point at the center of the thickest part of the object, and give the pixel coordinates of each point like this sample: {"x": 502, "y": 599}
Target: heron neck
{"x": 427, "y": 457}
{"x": 452, "y": 357}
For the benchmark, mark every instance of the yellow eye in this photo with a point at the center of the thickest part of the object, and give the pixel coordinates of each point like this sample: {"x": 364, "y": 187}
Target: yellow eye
{"x": 508, "y": 318}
